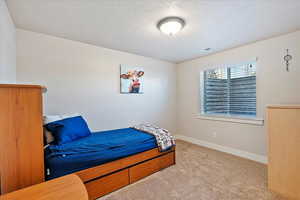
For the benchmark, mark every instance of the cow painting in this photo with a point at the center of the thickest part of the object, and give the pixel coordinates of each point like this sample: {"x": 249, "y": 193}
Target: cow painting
{"x": 132, "y": 79}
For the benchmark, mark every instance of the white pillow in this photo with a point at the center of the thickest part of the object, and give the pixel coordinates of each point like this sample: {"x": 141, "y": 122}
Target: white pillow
{"x": 51, "y": 118}
{"x": 64, "y": 116}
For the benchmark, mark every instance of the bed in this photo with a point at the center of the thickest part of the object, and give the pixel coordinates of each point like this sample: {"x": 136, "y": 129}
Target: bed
{"x": 102, "y": 170}
{"x": 108, "y": 160}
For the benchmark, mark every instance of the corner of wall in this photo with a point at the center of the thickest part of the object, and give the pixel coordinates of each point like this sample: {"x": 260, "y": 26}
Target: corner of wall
{"x": 8, "y": 53}
{"x": 176, "y": 103}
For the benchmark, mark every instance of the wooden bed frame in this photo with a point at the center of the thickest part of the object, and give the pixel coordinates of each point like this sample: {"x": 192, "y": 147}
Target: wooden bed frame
{"x": 22, "y": 155}
{"x": 108, "y": 177}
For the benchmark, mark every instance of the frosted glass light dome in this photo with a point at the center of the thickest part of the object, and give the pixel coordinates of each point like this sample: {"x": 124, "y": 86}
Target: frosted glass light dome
{"x": 170, "y": 25}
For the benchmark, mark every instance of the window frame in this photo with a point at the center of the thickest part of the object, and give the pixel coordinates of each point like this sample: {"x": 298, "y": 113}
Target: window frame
{"x": 244, "y": 119}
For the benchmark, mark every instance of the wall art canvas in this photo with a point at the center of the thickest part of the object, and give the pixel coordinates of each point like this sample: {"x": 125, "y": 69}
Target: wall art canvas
{"x": 132, "y": 79}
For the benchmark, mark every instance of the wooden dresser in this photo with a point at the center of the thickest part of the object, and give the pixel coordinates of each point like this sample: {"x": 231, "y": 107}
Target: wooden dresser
{"x": 21, "y": 136}
{"x": 284, "y": 150}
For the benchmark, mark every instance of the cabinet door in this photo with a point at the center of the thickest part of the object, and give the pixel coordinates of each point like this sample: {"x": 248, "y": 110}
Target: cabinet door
{"x": 21, "y": 138}
{"x": 284, "y": 151}
{"x": 102, "y": 186}
{"x": 144, "y": 169}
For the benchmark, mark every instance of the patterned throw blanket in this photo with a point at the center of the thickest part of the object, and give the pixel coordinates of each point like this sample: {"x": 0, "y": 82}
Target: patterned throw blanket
{"x": 164, "y": 139}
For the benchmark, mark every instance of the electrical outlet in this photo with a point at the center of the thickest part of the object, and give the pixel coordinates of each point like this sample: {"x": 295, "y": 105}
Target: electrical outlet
{"x": 214, "y": 134}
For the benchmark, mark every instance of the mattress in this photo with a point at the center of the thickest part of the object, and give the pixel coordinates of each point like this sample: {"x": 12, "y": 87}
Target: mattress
{"x": 99, "y": 148}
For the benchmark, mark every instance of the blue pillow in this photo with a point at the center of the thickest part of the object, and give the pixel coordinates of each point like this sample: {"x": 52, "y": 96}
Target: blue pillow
{"x": 69, "y": 129}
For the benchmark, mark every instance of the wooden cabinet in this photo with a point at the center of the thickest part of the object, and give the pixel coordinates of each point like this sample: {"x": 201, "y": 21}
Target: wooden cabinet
{"x": 21, "y": 137}
{"x": 284, "y": 150}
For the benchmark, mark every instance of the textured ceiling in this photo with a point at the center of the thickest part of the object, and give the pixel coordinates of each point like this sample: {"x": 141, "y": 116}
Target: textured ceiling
{"x": 130, "y": 25}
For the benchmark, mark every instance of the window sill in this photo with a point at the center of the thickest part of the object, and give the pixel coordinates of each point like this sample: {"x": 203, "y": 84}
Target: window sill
{"x": 233, "y": 119}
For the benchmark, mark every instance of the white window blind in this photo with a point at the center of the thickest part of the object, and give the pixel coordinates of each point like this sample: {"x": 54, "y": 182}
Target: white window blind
{"x": 230, "y": 90}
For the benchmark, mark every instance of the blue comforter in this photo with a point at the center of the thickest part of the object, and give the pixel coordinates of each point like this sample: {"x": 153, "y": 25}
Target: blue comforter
{"x": 99, "y": 148}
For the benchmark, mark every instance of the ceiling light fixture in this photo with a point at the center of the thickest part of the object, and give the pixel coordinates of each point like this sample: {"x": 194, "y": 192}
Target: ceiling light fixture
{"x": 170, "y": 25}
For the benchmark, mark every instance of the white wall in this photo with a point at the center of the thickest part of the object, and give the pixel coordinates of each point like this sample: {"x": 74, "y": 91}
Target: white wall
{"x": 274, "y": 86}
{"x": 7, "y": 46}
{"x": 85, "y": 79}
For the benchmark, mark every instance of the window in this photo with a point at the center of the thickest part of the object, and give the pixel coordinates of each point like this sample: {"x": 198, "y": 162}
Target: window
{"x": 229, "y": 91}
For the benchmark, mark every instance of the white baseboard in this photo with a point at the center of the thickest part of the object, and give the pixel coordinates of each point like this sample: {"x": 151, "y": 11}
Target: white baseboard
{"x": 236, "y": 152}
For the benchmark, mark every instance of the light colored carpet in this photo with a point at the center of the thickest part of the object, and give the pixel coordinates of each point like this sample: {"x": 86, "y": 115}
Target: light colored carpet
{"x": 201, "y": 174}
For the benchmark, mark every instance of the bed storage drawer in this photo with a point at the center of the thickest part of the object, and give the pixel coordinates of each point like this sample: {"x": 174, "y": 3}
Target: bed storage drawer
{"x": 107, "y": 184}
{"x": 149, "y": 167}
